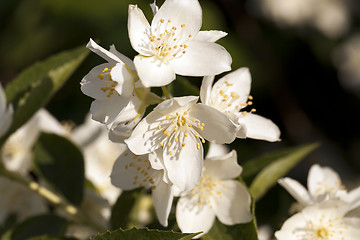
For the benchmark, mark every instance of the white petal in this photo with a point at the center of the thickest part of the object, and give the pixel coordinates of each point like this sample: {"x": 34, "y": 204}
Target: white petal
{"x": 91, "y": 84}
{"x": 233, "y": 205}
{"x": 215, "y": 122}
{"x": 205, "y": 89}
{"x": 107, "y": 110}
{"x": 139, "y": 30}
{"x": 217, "y": 150}
{"x": 296, "y": 190}
{"x": 184, "y": 166}
{"x": 125, "y": 82}
{"x": 156, "y": 160}
{"x": 180, "y": 12}
{"x": 231, "y": 91}
{"x": 153, "y": 72}
{"x": 146, "y": 137}
{"x": 176, "y": 104}
{"x": 223, "y": 167}
{"x": 6, "y": 120}
{"x": 192, "y": 217}
{"x": 286, "y": 232}
{"x": 122, "y": 57}
{"x": 209, "y": 36}
{"x": 126, "y": 174}
{"x": 353, "y": 197}
{"x": 202, "y": 59}
{"x": 258, "y": 127}
{"x": 154, "y": 7}
{"x": 322, "y": 180}
{"x": 105, "y": 54}
{"x": 49, "y": 124}
{"x": 162, "y": 198}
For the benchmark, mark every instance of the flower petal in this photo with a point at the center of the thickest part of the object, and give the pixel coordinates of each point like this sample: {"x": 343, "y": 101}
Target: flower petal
{"x": 258, "y": 127}
{"x": 6, "y": 120}
{"x": 322, "y": 180}
{"x": 176, "y": 104}
{"x": 202, "y": 59}
{"x": 233, "y": 206}
{"x": 209, "y": 36}
{"x": 192, "y": 217}
{"x": 107, "y": 110}
{"x": 186, "y": 13}
{"x": 146, "y": 137}
{"x": 223, "y": 167}
{"x": 126, "y": 174}
{"x": 296, "y": 190}
{"x": 125, "y": 82}
{"x": 215, "y": 122}
{"x": 105, "y": 54}
{"x": 162, "y": 198}
{"x": 122, "y": 57}
{"x": 153, "y": 72}
{"x": 205, "y": 89}
{"x": 139, "y": 30}
{"x": 232, "y": 91}
{"x": 217, "y": 150}
{"x": 185, "y": 165}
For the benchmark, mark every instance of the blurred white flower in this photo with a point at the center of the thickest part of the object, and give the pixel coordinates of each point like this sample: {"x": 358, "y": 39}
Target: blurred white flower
{"x": 323, "y": 183}
{"x": 17, "y": 150}
{"x": 265, "y": 232}
{"x": 19, "y": 200}
{"x": 326, "y": 220}
{"x": 6, "y": 113}
{"x": 216, "y": 194}
{"x": 331, "y": 17}
{"x": 230, "y": 95}
{"x": 173, "y": 44}
{"x": 178, "y": 127}
{"x": 100, "y": 155}
{"x": 131, "y": 171}
{"x": 346, "y": 59}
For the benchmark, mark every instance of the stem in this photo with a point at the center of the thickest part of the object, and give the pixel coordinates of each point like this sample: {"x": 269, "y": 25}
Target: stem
{"x": 78, "y": 214}
{"x": 165, "y": 91}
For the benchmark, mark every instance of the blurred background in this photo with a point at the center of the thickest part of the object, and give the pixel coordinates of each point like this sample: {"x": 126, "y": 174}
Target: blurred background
{"x": 304, "y": 57}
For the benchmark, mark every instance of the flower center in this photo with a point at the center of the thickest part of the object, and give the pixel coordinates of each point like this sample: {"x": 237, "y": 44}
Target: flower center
{"x": 109, "y": 83}
{"x": 176, "y": 128}
{"x": 168, "y": 42}
{"x": 207, "y": 188}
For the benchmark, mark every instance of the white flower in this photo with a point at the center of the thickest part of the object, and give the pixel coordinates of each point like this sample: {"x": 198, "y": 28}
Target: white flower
{"x": 178, "y": 127}
{"x": 323, "y": 183}
{"x": 131, "y": 171}
{"x": 324, "y": 221}
{"x": 119, "y": 97}
{"x": 231, "y": 94}
{"x": 18, "y": 200}
{"x": 17, "y": 150}
{"x": 215, "y": 195}
{"x": 173, "y": 44}
{"x": 6, "y": 113}
{"x": 99, "y": 156}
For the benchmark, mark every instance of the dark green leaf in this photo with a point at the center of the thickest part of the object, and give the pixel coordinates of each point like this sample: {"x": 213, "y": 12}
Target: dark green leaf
{"x": 277, "y": 169}
{"x": 121, "y": 214}
{"x": 61, "y": 163}
{"x": 39, "y": 225}
{"x": 35, "y": 86}
{"x": 144, "y": 234}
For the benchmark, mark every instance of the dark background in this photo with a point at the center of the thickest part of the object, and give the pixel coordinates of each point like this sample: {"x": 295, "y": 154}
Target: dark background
{"x": 295, "y": 81}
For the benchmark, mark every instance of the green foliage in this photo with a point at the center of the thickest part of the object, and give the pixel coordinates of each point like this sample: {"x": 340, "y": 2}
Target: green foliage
{"x": 35, "y": 86}
{"x": 144, "y": 234}
{"x": 183, "y": 87}
{"x": 246, "y": 231}
{"x": 40, "y": 225}
{"x": 121, "y": 214}
{"x": 279, "y": 163}
{"x": 61, "y": 163}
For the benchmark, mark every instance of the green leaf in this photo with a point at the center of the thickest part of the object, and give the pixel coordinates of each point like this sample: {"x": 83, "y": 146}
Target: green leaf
{"x": 182, "y": 87}
{"x": 44, "y": 224}
{"x": 122, "y": 211}
{"x": 278, "y": 168}
{"x": 35, "y": 86}
{"x": 144, "y": 234}
{"x": 246, "y": 231}
{"x": 61, "y": 163}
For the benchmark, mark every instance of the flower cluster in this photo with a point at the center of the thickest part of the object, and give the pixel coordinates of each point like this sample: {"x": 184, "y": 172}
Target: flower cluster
{"x": 326, "y": 210}
{"x": 165, "y": 150}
